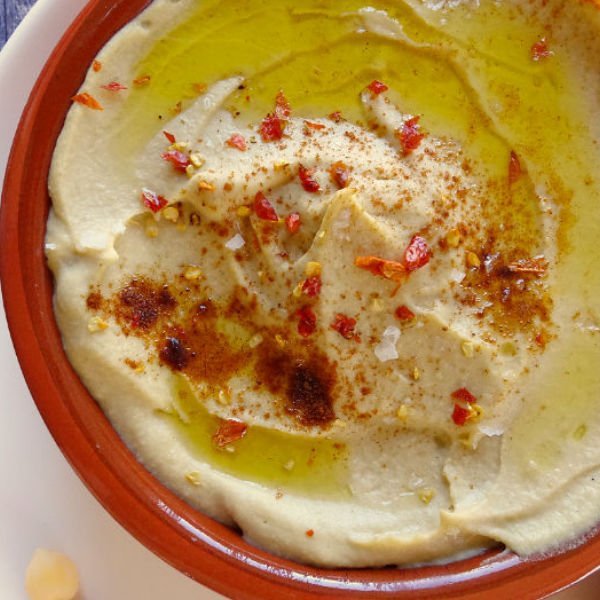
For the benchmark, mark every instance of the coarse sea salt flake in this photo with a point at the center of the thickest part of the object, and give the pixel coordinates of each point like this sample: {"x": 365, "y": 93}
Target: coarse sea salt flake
{"x": 386, "y": 349}
{"x": 236, "y": 242}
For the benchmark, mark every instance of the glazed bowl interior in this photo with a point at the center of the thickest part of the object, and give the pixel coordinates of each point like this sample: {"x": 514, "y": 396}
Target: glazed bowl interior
{"x": 198, "y": 546}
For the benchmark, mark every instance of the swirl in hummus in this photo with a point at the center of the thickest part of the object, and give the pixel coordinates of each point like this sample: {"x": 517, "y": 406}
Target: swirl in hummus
{"x": 354, "y": 316}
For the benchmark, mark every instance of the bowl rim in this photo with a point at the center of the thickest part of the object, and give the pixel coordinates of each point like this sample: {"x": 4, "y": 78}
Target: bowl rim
{"x": 193, "y": 543}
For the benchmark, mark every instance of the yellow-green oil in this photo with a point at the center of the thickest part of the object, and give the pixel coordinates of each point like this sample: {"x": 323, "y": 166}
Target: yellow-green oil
{"x": 290, "y": 462}
{"x": 472, "y": 79}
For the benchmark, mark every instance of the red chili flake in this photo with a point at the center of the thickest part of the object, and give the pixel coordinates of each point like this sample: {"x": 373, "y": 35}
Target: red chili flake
{"x": 87, "y": 100}
{"x": 417, "y": 254}
{"x": 96, "y": 66}
{"x": 271, "y": 128}
{"x": 540, "y": 50}
{"x": 230, "y": 430}
{"x": 390, "y": 269}
{"x": 460, "y": 414}
{"x": 153, "y": 201}
{"x": 237, "y": 141}
{"x": 336, "y": 116}
{"x": 410, "y": 135}
{"x": 514, "y": 168}
{"x": 114, "y": 86}
{"x": 307, "y": 323}
{"x": 464, "y": 394}
{"x": 142, "y": 80}
{"x": 312, "y": 286}
{"x": 170, "y": 137}
{"x": 309, "y": 533}
{"x": 179, "y": 160}
{"x": 264, "y": 209}
{"x": 541, "y": 339}
{"x": 293, "y": 222}
{"x": 340, "y": 174}
{"x": 308, "y": 183}
{"x": 404, "y": 313}
{"x": 282, "y": 107}
{"x": 344, "y": 326}
{"x": 376, "y": 87}
{"x": 316, "y": 126}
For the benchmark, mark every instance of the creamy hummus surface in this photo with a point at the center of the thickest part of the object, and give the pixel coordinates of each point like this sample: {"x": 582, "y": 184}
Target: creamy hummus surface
{"x": 331, "y": 272}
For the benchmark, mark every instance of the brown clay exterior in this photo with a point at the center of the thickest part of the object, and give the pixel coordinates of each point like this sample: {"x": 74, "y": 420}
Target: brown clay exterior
{"x": 196, "y": 545}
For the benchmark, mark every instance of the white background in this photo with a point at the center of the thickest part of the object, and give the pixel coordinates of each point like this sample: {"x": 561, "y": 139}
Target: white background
{"x": 42, "y": 502}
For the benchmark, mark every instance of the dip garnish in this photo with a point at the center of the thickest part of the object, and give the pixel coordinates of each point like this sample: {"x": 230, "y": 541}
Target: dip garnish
{"x": 114, "y": 86}
{"x": 390, "y": 269}
{"x": 170, "y": 137}
{"x": 237, "y": 141}
{"x": 263, "y": 208}
{"x": 417, "y": 254}
{"x": 409, "y": 135}
{"x": 229, "y": 431}
{"x": 540, "y": 50}
{"x": 377, "y": 87}
{"x": 293, "y": 222}
{"x": 403, "y": 313}
{"x": 340, "y": 174}
{"x": 178, "y": 160}
{"x": 153, "y": 201}
{"x": 308, "y": 183}
{"x": 87, "y": 100}
{"x": 345, "y": 327}
{"x": 142, "y": 80}
{"x": 312, "y": 286}
{"x": 307, "y": 321}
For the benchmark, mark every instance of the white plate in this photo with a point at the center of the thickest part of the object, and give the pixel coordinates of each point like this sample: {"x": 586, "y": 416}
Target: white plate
{"x": 42, "y": 502}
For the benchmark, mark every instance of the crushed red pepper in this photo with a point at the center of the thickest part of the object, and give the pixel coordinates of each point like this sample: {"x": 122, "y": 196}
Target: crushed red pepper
{"x": 271, "y": 128}
{"x": 390, "y": 269}
{"x": 403, "y": 313}
{"x": 417, "y": 254}
{"x": 339, "y": 174}
{"x": 229, "y": 431}
{"x": 114, "y": 86}
{"x": 293, "y": 222}
{"x": 312, "y": 286}
{"x": 282, "y": 107}
{"x": 96, "y": 66}
{"x": 87, "y": 100}
{"x": 264, "y": 209}
{"x": 142, "y": 80}
{"x": 153, "y": 201}
{"x": 237, "y": 141}
{"x": 540, "y": 50}
{"x": 345, "y": 326}
{"x": 179, "y": 161}
{"x": 307, "y": 321}
{"x": 377, "y": 87}
{"x": 464, "y": 394}
{"x": 307, "y": 181}
{"x": 409, "y": 135}
{"x": 460, "y": 415}
{"x": 170, "y": 137}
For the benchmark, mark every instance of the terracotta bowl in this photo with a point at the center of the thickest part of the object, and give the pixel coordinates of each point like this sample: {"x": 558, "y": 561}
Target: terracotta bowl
{"x": 196, "y": 545}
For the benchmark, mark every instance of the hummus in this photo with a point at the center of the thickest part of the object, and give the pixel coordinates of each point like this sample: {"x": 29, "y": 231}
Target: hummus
{"x": 331, "y": 272}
